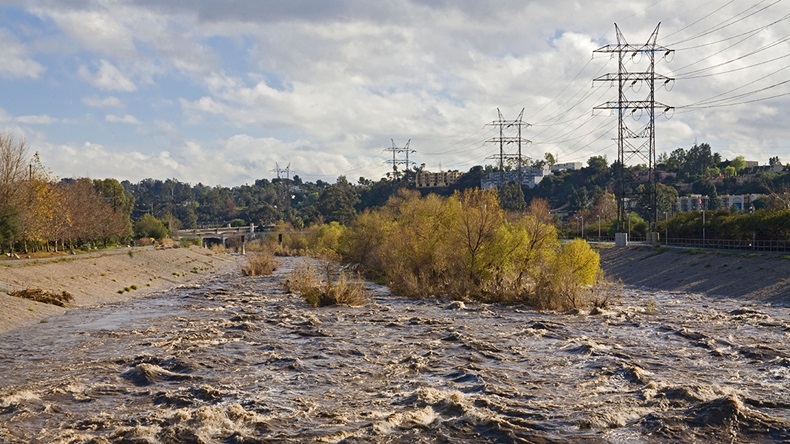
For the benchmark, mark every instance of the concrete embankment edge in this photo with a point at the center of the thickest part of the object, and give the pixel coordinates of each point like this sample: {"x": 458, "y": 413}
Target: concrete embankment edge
{"x": 101, "y": 278}
{"x": 759, "y": 278}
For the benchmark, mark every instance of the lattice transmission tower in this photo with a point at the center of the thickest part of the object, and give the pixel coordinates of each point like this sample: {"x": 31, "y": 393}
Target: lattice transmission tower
{"x": 626, "y": 149}
{"x": 503, "y": 140}
{"x": 396, "y": 161}
{"x": 283, "y": 184}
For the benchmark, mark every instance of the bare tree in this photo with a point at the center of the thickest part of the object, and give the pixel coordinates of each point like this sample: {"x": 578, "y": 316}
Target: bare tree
{"x": 778, "y": 196}
{"x": 13, "y": 160}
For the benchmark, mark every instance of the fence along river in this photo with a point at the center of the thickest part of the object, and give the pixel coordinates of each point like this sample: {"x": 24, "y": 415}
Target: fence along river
{"x": 237, "y": 360}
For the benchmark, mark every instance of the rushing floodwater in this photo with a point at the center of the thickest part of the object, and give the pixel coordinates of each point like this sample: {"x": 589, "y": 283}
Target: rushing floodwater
{"x": 238, "y": 360}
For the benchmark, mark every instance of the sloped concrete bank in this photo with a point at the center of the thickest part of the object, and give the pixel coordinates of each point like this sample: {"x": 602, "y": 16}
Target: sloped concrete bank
{"x": 760, "y": 278}
{"x": 101, "y": 278}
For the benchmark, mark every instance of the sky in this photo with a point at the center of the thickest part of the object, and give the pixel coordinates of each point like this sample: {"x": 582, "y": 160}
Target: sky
{"x": 226, "y": 93}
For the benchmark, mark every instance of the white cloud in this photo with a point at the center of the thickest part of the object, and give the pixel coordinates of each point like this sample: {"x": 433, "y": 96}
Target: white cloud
{"x": 326, "y": 86}
{"x": 37, "y": 120}
{"x": 101, "y": 29}
{"x": 107, "y": 77}
{"x": 17, "y": 63}
{"x": 126, "y": 118}
{"x": 103, "y": 102}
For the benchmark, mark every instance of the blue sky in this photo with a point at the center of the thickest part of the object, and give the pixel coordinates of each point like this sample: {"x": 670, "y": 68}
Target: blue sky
{"x": 221, "y": 92}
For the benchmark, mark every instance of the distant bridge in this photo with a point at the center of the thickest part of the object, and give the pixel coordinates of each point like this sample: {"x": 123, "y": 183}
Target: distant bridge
{"x": 221, "y": 235}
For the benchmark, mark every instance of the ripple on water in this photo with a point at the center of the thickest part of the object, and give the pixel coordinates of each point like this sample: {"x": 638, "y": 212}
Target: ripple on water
{"x": 239, "y": 360}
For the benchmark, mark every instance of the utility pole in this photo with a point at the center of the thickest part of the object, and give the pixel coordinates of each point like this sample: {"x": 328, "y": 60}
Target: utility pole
{"x": 502, "y": 140}
{"x": 395, "y": 161}
{"x": 646, "y": 151}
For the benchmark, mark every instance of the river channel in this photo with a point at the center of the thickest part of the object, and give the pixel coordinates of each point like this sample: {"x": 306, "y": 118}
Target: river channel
{"x": 239, "y": 360}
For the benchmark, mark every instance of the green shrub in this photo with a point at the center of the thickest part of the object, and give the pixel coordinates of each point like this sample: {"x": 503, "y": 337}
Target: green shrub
{"x": 150, "y": 227}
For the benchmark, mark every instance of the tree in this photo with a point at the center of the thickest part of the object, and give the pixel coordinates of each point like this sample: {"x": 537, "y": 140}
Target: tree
{"x": 337, "y": 202}
{"x": 470, "y": 179}
{"x": 149, "y": 227}
{"x": 666, "y": 198}
{"x": 676, "y": 161}
{"x": 480, "y": 216}
{"x": 715, "y": 202}
{"x": 579, "y": 199}
{"x": 598, "y": 165}
{"x": 511, "y": 197}
{"x": 698, "y": 159}
{"x": 13, "y": 163}
{"x": 738, "y": 163}
{"x": 550, "y": 159}
{"x": 119, "y": 199}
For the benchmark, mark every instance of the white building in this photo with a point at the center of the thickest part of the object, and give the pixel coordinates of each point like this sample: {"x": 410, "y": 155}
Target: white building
{"x": 741, "y": 202}
{"x": 573, "y": 166}
{"x": 530, "y": 177}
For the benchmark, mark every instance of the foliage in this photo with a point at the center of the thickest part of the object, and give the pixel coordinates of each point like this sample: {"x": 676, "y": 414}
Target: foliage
{"x": 463, "y": 247}
{"x": 149, "y": 226}
{"x": 13, "y": 162}
{"x": 327, "y": 237}
{"x": 37, "y": 213}
{"x": 511, "y": 197}
{"x": 337, "y": 202}
{"x": 573, "y": 267}
{"x": 722, "y": 224}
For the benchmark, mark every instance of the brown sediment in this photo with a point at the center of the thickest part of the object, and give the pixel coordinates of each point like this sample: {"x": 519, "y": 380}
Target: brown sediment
{"x": 98, "y": 278}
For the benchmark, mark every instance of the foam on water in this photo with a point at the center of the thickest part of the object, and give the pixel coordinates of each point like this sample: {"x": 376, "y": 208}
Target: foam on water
{"x": 240, "y": 360}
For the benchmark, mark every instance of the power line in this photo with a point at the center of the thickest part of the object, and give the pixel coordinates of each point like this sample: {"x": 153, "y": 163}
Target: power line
{"x": 750, "y": 33}
{"x": 724, "y": 24}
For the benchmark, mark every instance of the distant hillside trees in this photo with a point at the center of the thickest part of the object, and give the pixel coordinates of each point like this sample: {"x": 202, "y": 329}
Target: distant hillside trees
{"x": 697, "y": 163}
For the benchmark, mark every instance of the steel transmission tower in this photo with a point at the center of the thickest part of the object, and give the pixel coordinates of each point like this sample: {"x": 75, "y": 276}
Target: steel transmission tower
{"x": 502, "y": 140}
{"x": 395, "y": 161}
{"x": 626, "y": 149}
{"x": 285, "y": 187}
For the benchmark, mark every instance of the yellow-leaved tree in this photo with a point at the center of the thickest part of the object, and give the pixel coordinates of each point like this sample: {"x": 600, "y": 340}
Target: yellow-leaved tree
{"x": 464, "y": 247}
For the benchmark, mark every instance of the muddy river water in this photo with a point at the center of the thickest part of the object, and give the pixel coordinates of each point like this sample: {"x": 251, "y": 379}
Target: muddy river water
{"x": 238, "y": 360}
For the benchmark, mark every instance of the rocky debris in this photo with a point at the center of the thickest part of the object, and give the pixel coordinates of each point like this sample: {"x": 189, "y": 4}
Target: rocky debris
{"x": 39, "y": 295}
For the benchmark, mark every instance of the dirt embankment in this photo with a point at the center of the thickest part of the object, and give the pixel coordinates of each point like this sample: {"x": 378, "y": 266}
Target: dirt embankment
{"x": 763, "y": 278}
{"x": 99, "y": 278}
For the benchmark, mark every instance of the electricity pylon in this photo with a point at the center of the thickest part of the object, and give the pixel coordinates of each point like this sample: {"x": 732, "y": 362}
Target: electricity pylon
{"x": 626, "y": 150}
{"x": 502, "y": 140}
{"x": 395, "y": 161}
{"x": 285, "y": 190}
